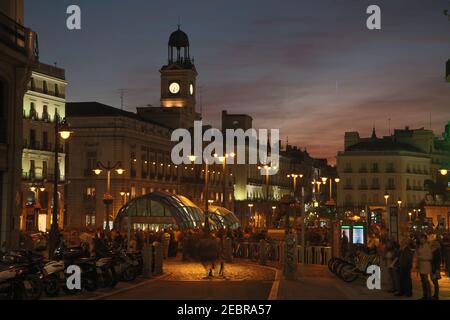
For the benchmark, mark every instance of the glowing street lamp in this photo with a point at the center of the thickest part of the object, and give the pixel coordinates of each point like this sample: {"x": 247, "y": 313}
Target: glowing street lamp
{"x": 267, "y": 168}
{"x": 62, "y": 131}
{"x": 107, "y": 197}
{"x": 294, "y": 177}
{"x": 386, "y": 198}
{"x": 443, "y": 172}
{"x": 223, "y": 160}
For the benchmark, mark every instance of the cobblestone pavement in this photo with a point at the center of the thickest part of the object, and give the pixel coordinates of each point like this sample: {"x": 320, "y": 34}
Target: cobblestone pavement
{"x": 193, "y": 271}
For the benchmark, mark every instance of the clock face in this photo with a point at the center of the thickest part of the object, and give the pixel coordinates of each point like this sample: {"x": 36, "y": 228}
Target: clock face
{"x": 174, "y": 88}
{"x": 191, "y": 89}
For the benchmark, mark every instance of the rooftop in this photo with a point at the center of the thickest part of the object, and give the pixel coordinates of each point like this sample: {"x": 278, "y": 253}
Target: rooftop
{"x": 96, "y": 109}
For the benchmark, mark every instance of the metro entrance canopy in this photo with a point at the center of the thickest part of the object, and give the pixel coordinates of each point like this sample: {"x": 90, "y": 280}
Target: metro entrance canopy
{"x": 165, "y": 209}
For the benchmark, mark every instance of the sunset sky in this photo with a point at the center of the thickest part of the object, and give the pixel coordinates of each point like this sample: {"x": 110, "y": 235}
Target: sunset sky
{"x": 308, "y": 67}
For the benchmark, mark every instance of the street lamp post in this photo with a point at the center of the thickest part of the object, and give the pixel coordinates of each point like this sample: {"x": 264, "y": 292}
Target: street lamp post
{"x": 37, "y": 203}
{"x": 336, "y": 180}
{"x": 294, "y": 177}
{"x": 192, "y": 159}
{"x": 125, "y": 196}
{"x": 250, "y": 206}
{"x": 61, "y": 130}
{"x": 107, "y": 197}
{"x": 223, "y": 160}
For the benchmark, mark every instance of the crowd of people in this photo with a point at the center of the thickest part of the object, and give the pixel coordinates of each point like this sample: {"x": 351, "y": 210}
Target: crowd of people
{"x": 419, "y": 255}
{"x": 415, "y": 254}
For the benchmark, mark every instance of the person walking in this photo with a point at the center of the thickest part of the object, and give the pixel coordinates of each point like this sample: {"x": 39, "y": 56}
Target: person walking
{"x": 405, "y": 264}
{"x": 424, "y": 257}
{"x": 165, "y": 239}
{"x": 436, "y": 267}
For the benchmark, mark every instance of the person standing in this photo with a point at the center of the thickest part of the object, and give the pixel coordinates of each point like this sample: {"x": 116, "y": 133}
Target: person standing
{"x": 405, "y": 265}
{"x": 436, "y": 267}
{"x": 165, "y": 239}
{"x": 424, "y": 256}
{"x": 390, "y": 258}
{"x": 344, "y": 245}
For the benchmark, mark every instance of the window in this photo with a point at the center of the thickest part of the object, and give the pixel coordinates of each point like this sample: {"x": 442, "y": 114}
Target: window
{"x": 375, "y": 167}
{"x": 390, "y": 167}
{"x": 32, "y": 169}
{"x": 348, "y": 167}
{"x": 33, "y": 144}
{"x": 57, "y": 117}
{"x": 90, "y": 219}
{"x": 90, "y": 193}
{"x": 391, "y": 184}
{"x": 45, "y": 116}
{"x": 32, "y": 84}
{"x": 375, "y": 183}
{"x": 133, "y": 161}
{"x": 56, "y": 90}
{"x": 45, "y": 87}
{"x": 91, "y": 162}
{"x": 45, "y": 144}
{"x": 33, "y": 113}
{"x": 44, "y": 169}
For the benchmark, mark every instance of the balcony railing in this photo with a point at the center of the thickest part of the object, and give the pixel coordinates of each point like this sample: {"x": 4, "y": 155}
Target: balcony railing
{"x": 33, "y": 176}
{"x": 18, "y": 38}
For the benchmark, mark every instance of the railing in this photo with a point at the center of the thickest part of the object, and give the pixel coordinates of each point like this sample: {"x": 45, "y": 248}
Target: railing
{"x": 318, "y": 255}
{"x": 18, "y": 37}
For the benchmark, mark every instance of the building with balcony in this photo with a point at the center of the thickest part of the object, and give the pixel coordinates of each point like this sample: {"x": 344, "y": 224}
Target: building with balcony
{"x": 18, "y": 55}
{"x": 143, "y": 149}
{"x": 400, "y": 165}
{"x": 43, "y": 104}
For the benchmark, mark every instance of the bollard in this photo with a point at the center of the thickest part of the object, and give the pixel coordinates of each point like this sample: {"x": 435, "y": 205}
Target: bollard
{"x": 228, "y": 250}
{"x": 158, "y": 258}
{"x": 147, "y": 256}
{"x": 262, "y": 252}
{"x": 290, "y": 257}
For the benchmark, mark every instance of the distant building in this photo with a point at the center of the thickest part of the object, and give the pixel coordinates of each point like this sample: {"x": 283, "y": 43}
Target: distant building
{"x": 400, "y": 165}
{"x": 43, "y": 104}
{"x": 252, "y": 188}
{"x": 142, "y": 147}
{"x": 18, "y": 54}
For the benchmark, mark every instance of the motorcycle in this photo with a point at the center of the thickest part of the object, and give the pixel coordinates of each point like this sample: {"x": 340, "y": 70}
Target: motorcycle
{"x": 20, "y": 276}
{"x": 125, "y": 266}
{"x": 57, "y": 275}
{"x": 106, "y": 272}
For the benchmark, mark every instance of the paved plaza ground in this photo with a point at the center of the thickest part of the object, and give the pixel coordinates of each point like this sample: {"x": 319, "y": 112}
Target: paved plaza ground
{"x": 246, "y": 281}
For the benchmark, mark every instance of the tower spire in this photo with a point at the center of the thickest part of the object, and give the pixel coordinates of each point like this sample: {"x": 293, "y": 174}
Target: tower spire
{"x": 374, "y": 134}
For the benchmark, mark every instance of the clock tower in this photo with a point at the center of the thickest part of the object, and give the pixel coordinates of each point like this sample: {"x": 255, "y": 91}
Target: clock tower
{"x": 178, "y": 87}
